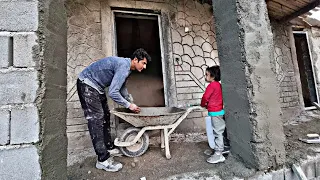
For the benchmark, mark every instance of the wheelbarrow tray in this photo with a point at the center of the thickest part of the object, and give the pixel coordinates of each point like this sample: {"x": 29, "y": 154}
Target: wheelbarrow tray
{"x": 150, "y": 116}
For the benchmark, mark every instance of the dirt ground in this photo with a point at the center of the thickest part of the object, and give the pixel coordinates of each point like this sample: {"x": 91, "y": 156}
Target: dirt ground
{"x": 295, "y": 149}
{"x": 189, "y": 158}
{"x": 186, "y": 158}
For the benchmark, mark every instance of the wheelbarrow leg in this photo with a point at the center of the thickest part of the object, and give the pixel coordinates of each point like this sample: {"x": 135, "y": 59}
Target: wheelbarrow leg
{"x": 162, "y": 138}
{"x": 166, "y": 143}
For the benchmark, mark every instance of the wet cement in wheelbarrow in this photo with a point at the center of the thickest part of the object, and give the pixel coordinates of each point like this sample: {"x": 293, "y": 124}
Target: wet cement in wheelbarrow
{"x": 186, "y": 158}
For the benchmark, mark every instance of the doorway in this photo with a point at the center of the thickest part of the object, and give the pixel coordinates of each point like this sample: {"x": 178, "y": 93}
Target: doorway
{"x": 133, "y": 31}
{"x": 307, "y": 78}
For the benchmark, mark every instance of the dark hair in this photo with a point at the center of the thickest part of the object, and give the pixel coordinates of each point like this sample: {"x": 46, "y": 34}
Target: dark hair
{"x": 214, "y": 72}
{"x": 140, "y": 54}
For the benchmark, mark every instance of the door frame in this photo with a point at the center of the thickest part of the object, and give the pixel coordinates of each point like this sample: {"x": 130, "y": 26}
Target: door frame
{"x": 312, "y": 67}
{"x": 114, "y": 50}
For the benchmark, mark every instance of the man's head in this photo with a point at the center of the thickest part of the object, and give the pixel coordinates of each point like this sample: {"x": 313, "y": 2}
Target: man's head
{"x": 139, "y": 60}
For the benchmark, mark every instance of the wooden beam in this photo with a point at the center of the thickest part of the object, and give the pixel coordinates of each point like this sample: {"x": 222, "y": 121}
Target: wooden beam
{"x": 303, "y": 10}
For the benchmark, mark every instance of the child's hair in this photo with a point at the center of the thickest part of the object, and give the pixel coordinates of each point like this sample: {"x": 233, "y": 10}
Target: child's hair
{"x": 214, "y": 72}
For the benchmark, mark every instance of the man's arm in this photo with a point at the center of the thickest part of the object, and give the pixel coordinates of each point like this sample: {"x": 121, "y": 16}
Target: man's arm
{"x": 124, "y": 92}
{"x": 114, "y": 89}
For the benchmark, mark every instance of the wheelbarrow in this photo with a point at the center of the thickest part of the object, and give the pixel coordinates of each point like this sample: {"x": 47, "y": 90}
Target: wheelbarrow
{"x": 134, "y": 141}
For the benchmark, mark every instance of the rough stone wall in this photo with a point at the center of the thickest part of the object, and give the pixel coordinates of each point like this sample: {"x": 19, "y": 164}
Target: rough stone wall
{"x": 31, "y": 85}
{"x": 250, "y": 90}
{"x": 289, "y": 96}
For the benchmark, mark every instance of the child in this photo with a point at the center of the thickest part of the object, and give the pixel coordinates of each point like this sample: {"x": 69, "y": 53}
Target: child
{"x": 212, "y": 101}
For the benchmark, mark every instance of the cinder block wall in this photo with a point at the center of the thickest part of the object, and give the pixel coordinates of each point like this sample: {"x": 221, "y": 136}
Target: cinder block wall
{"x": 19, "y": 83}
{"x": 32, "y": 46}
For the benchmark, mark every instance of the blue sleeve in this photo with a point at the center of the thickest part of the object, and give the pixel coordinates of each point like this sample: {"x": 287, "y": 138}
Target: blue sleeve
{"x": 124, "y": 91}
{"x": 118, "y": 80}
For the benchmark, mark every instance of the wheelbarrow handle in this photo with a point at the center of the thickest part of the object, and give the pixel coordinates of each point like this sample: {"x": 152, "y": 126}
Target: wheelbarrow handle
{"x": 184, "y": 116}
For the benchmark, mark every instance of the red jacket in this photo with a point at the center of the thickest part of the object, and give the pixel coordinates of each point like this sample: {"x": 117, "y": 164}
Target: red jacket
{"x": 212, "y": 97}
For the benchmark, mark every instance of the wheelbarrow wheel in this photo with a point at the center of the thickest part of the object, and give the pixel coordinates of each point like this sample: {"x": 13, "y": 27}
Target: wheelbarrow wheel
{"x": 137, "y": 149}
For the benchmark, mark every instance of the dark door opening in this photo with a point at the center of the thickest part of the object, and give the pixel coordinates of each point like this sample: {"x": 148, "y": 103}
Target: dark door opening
{"x": 135, "y": 31}
{"x": 305, "y": 69}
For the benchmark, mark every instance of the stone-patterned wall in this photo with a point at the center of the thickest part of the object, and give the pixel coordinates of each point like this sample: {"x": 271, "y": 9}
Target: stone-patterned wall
{"x": 194, "y": 50}
{"x": 84, "y": 47}
{"x": 289, "y": 96}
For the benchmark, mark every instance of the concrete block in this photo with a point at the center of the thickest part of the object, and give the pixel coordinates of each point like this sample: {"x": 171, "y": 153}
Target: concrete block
{"x": 19, "y": 15}
{"x": 77, "y": 128}
{"x": 289, "y": 175}
{"x": 309, "y": 169}
{"x": 24, "y": 49}
{"x": 262, "y": 176}
{"x": 189, "y": 102}
{"x": 184, "y": 96}
{"x": 20, "y": 163}
{"x": 24, "y": 125}
{"x": 318, "y": 168}
{"x": 189, "y": 90}
{"x": 4, "y": 51}
{"x": 4, "y": 126}
{"x": 278, "y": 175}
{"x": 18, "y": 86}
{"x": 197, "y": 95}
{"x": 186, "y": 84}
{"x": 183, "y": 78}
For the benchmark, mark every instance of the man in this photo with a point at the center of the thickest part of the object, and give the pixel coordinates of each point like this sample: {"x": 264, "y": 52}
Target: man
{"x": 109, "y": 72}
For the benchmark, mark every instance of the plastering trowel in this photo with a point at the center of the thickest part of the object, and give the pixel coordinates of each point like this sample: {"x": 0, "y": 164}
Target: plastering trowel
{"x": 311, "y": 139}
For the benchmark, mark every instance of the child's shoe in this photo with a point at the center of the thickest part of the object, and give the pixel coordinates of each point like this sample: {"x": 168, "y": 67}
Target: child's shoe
{"x": 109, "y": 165}
{"x": 216, "y": 158}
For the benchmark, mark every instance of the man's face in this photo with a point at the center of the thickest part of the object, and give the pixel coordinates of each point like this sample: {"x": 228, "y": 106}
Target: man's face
{"x": 140, "y": 65}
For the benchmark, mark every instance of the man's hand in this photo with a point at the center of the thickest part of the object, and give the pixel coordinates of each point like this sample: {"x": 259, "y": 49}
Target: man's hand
{"x": 134, "y": 108}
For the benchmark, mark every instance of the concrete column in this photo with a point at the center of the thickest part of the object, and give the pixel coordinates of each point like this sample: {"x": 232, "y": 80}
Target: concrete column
{"x": 249, "y": 84}
{"x": 33, "y": 143}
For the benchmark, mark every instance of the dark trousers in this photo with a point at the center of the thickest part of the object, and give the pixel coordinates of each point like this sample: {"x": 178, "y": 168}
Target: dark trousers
{"x": 97, "y": 113}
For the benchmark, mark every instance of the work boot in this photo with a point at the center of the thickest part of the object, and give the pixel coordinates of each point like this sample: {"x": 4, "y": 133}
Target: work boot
{"x": 216, "y": 158}
{"x": 109, "y": 165}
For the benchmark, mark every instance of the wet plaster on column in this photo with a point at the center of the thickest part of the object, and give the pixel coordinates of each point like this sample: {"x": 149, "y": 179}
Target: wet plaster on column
{"x": 51, "y": 96}
{"x": 251, "y": 93}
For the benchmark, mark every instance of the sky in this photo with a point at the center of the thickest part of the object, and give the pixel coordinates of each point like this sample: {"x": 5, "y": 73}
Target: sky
{"x": 315, "y": 14}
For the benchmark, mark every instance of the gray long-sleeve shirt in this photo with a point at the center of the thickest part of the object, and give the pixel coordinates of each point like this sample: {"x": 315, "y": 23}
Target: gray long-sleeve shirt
{"x": 109, "y": 72}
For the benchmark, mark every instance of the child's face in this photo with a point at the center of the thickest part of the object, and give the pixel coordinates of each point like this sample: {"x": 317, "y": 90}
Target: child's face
{"x": 208, "y": 77}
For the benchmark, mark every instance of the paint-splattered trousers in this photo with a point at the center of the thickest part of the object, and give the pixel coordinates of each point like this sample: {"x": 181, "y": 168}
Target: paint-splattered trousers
{"x": 97, "y": 114}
